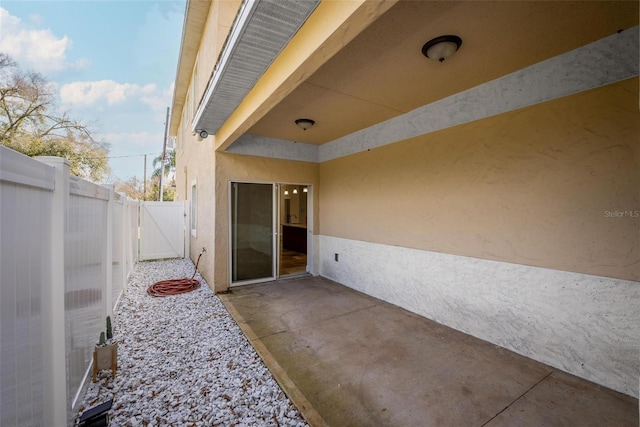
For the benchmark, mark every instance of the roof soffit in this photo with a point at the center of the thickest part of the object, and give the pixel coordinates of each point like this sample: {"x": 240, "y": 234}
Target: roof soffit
{"x": 262, "y": 30}
{"x": 196, "y": 13}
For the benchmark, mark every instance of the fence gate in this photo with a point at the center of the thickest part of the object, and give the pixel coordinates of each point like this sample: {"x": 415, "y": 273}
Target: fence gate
{"x": 162, "y": 230}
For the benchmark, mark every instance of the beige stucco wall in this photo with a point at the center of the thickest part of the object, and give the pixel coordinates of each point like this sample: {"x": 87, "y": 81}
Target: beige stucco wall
{"x": 540, "y": 186}
{"x": 230, "y": 167}
{"x": 196, "y": 164}
{"x": 195, "y": 159}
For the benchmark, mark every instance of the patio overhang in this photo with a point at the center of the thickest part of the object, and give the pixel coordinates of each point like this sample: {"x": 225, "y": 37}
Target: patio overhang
{"x": 261, "y": 31}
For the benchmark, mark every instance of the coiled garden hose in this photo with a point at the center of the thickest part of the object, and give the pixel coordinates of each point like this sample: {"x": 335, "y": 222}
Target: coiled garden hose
{"x": 165, "y": 288}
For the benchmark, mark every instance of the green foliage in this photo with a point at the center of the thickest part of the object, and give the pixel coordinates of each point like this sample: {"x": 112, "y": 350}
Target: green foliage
{"x": 30, "y": 123}
{"x": 102, "y": 340}
{"x": 168, "y": 190}
{"x": 109, "y": 329}
{"x": 169, "y": 164}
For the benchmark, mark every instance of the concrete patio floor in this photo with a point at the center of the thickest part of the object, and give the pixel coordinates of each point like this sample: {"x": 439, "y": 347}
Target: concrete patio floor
{"x": 347, "y": 359}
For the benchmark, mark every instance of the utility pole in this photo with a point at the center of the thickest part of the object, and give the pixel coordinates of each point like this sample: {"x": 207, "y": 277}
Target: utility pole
{"x": 144, "y": 181}
{"x": 164, "y": 154}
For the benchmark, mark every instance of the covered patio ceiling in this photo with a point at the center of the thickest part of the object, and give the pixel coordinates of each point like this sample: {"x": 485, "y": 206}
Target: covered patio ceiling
{"x": 382, "y": 72}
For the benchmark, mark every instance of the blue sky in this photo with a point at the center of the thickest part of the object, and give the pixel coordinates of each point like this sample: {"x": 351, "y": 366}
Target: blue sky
{"x": 113, "y": 64}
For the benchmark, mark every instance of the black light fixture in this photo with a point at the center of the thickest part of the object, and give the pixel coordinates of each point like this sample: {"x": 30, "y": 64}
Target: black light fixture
{"x": 441, "y": 47}
{"x": 305, "y": 124}
{"x": 98, "y": 416}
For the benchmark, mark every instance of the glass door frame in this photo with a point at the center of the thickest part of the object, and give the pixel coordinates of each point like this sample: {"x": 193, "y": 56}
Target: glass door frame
{"x": 309, "y": 209}
{"x": 310, "y": 246}
{"x": 274, "y": 233}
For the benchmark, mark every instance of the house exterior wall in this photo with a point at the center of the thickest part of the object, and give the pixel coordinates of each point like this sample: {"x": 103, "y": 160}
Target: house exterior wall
{"x": 532, "y": 186}
{"x": 506, "y": 228}
{"x": 196, "y": 166}
{"x": 195, "y": 159}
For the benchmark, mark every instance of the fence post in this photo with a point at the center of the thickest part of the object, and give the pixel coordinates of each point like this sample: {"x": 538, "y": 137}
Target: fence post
{"x": 139, "y": 229}
{"x": 187, "y": 229}
{"x": 55, "y": 366}
{"x": 124, "y": 238}
{"x": 108, "y": 256}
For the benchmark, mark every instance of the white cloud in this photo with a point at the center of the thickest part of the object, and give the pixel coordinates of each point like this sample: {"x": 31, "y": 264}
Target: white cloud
{"x": 80, "y": 64}
{"x": 36, "y": 19}
{"x": 158, "y": 102}
{"x": 148, "y": 142}
{"x": 90, "y": 93}
{"x": 33, "y": 48}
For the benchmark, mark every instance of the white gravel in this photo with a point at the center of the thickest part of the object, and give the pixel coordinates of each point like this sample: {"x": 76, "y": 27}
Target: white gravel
{"x": 183, "y": 361}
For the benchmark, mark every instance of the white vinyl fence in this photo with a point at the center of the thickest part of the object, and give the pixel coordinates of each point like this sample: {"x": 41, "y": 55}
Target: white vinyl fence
{"x": 67, "y": 247}
{"x": 163, "y": 226}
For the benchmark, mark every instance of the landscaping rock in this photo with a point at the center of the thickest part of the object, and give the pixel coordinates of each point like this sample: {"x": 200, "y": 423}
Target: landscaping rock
{"x": 183, "y": 361}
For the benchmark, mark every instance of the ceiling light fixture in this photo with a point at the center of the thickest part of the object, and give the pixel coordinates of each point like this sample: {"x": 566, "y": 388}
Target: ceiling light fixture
{"x": 441, "y": 47}
{"x": 305, "y": 124}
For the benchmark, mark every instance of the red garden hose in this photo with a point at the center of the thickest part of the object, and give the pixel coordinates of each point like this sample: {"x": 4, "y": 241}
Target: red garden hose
{"x": 175, "y": 286}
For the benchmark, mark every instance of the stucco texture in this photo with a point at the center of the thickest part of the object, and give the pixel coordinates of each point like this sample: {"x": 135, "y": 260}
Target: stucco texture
{"x": 554, "y": 185}
{"x": 195, "y": 160}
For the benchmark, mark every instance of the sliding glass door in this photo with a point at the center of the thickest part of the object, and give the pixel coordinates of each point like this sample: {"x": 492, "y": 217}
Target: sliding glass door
{"x": 253, "y": 255}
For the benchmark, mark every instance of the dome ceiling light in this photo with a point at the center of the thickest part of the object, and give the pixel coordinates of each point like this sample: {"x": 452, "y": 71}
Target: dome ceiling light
{"x": 305, "y": 124}
{"x": 441, "y": 47}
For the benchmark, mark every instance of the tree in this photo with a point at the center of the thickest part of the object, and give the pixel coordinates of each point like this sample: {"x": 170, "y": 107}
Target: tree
{"x": 132, "y": 187}
{"x": 30, "y": 123}
{"x": 168, "y": 194}
{"x": 169, "y": 164}
{"x": 168, "y": 190}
